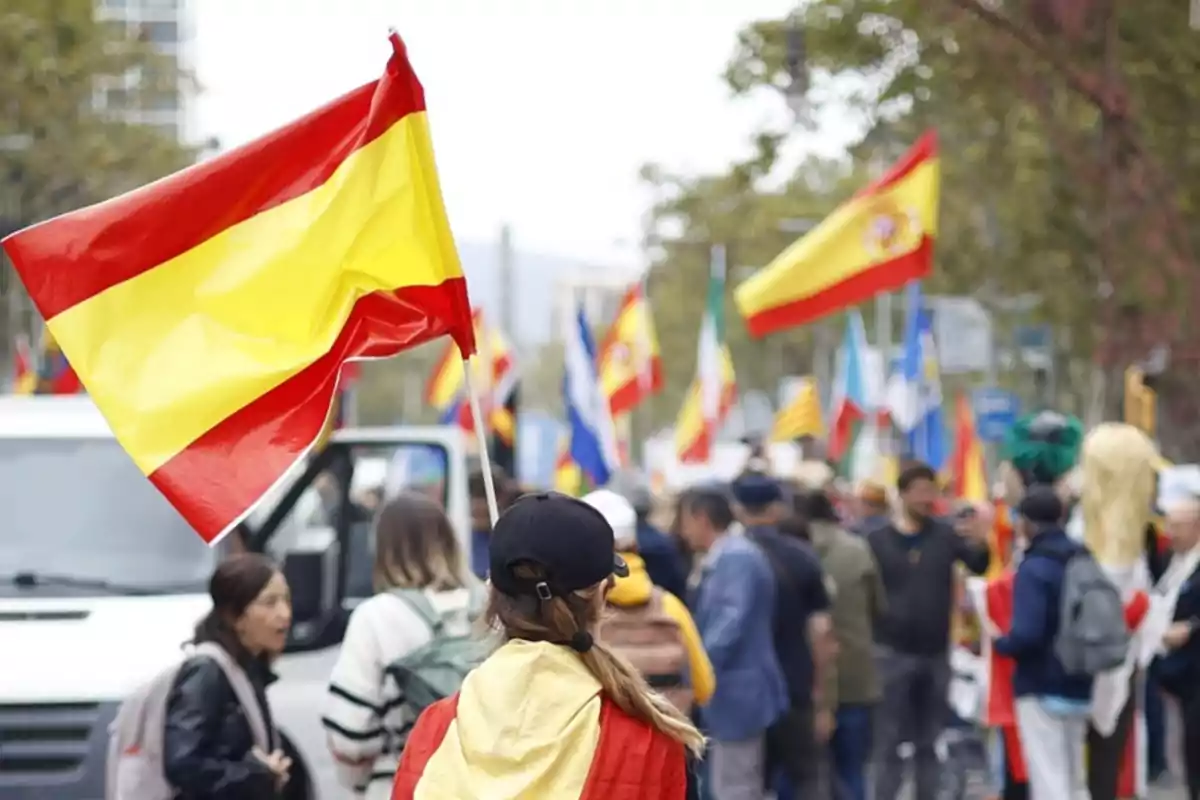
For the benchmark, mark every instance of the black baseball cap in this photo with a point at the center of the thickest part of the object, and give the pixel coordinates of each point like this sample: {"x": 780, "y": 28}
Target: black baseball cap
{"x": 571, "y": 541}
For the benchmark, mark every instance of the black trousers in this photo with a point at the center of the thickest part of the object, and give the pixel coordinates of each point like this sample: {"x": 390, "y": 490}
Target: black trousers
{"x": 792, "y": 749}
{"x": 1106, "y": 754}
{"x": 1190, "y": 711}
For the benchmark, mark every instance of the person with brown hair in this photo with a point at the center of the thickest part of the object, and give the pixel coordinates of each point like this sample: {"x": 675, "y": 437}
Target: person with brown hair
{"x": 419, "y": 576}
{"x": 216, "y": 743}
{"x": 553, "y": 712}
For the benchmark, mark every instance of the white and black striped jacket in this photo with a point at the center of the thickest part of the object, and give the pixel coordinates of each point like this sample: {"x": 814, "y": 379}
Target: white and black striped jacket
{"x": 365, "y": 717}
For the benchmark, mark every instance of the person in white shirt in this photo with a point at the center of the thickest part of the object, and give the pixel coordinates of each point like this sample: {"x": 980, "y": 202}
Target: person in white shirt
{"x": 366, "y": 719}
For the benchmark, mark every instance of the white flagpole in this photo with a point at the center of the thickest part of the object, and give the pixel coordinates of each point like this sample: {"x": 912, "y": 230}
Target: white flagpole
{"x": 485, "y": 459}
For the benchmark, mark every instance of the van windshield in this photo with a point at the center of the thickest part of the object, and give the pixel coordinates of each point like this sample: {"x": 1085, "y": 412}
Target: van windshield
{"x": 80, "y": 508}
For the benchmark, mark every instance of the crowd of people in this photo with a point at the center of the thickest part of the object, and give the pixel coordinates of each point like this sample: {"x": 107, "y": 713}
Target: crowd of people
{"x": 766, "y": 637}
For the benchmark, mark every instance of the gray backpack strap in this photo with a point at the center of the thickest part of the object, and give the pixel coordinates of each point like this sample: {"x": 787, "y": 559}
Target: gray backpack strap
{"x": 241, "y": 688}
{"x": 419, "y": 603}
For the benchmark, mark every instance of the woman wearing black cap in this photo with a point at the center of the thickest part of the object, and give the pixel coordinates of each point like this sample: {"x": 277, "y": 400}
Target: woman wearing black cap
{"x": 552, "y": 713}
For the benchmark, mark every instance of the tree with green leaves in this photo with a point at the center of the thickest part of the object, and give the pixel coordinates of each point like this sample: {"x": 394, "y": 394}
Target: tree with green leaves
{"x": 60, "y": 149}
{"x": 1069, "y": 162}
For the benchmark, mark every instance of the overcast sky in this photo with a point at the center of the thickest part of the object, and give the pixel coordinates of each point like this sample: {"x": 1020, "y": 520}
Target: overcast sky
{"x": 542, "y": 110}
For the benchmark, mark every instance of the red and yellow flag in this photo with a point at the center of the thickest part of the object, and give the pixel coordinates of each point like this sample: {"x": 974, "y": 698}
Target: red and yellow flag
{"x": 568, "y": 477}
{"x": 694, "y": 435}
{"x": 446, "y": 389}
{"x": 24, "y": 370}
{"x": 879, "y": 240}
{"x": 630, "y": 364}
{"x": 967, "y": 468}
{"x": 208, "y": 314}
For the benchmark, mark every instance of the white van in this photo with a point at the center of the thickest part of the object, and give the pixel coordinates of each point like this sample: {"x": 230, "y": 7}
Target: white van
{"x": 101, "y": 582}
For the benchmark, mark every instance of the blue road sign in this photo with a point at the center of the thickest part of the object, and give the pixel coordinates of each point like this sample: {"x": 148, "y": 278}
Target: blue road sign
{"x": 995, "y": 412}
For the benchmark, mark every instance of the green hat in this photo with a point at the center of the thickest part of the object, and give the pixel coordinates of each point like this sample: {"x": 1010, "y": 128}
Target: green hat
{"x": 1043, "y": 447}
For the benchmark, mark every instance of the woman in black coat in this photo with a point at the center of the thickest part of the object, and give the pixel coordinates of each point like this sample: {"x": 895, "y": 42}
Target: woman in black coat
{"x": 210, "y": 749}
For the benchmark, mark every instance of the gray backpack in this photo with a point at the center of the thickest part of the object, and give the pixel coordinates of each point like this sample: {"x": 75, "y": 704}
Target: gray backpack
{"x": 1092, "y": 637}
{"x": 436, "y": 669}
{"x": 134, "y": 763}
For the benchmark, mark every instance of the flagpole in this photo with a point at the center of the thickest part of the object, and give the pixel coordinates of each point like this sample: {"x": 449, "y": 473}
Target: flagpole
{"x": 489, "y": 486}
{"x": 883, "y": 333}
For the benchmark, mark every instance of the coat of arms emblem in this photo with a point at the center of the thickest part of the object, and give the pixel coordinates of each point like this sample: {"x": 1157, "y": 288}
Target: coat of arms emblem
{"x": 892, "y": 230}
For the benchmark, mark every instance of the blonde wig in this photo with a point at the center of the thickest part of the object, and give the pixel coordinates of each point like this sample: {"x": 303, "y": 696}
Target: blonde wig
{"x": 1119, "y": 481}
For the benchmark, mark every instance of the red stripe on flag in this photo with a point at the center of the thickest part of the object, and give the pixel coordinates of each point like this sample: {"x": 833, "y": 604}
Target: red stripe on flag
{"x": 218, "y": 477}
{"x": 76, "y": 256}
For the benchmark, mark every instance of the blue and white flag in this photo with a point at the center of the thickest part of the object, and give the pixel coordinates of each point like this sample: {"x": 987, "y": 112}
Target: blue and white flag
{"x": 914, "y": 393}
{"x": 593, "y": 435}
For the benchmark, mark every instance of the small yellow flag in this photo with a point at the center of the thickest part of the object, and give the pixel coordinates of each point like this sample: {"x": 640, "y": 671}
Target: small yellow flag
{"x": 800, "y": 417}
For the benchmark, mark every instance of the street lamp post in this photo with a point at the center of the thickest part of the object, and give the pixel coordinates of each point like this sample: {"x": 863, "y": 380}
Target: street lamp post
{"x": 796, "y": 94}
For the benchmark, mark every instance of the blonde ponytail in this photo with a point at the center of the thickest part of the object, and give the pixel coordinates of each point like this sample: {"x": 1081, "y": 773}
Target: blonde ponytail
{"x": 629, "y": 690}
{"x": 564, "y": 620}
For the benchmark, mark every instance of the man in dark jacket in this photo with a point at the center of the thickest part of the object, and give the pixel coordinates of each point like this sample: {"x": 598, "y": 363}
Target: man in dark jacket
{"x": 916, "y": 553}
{"x": 664, "y": 564}
{"x": 804, "y": 640}
{"x": 1052, "y": 706}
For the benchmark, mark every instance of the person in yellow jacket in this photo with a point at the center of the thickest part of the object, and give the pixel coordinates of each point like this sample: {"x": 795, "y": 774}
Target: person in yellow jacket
{"x": 649, "y": 626}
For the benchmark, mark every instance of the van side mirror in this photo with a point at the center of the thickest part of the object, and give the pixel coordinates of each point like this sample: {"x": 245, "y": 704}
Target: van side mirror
{"x": 310, "y": 566}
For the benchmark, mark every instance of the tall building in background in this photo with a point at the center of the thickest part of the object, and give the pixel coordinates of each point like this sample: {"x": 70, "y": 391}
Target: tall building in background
{"x": 168, "y": 25}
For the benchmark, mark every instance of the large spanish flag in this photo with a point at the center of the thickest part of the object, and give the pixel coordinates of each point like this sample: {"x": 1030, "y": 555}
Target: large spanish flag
{"x": 879, "y": 240}
{"x": 630, "y": 364}
{"x": 208, "y": 314}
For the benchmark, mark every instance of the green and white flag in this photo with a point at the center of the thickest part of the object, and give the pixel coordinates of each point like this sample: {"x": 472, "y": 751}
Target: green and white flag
{"x": 712, "y": 342}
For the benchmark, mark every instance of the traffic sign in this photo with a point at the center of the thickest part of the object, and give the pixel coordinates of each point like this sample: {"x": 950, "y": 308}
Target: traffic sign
{"x": 995, "y": 412}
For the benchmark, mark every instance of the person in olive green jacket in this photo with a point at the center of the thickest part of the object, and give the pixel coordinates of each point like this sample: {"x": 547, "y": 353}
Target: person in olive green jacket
{"x": 858, "y": 599}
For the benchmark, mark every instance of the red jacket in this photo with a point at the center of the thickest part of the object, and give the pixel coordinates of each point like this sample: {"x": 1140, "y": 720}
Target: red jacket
{"x": 633, "y": 761}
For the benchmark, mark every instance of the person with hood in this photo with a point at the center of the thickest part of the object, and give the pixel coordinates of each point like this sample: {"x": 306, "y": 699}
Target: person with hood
{"x": 650, "y": 627}
{"x": 553, "y": 712}
{"x": 664, "y": 563}
{"x": 1052, "y": 706}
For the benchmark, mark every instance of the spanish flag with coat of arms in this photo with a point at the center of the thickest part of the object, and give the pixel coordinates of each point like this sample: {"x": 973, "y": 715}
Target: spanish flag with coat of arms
{"x": 879, "y": 240}
{"x": 208, "y": 314}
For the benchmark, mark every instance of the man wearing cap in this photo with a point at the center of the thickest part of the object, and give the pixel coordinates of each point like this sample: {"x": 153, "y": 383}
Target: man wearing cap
{"x": 802, "y": 635}
{"x": 1052, "y": 706}
{"x": 734, "y": 606}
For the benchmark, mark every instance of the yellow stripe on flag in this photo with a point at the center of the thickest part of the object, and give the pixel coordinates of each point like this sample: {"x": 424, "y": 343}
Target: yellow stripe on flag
{"x": 800, "y": 417}
{"x": 227, "y": 321}
{"x": 878, "y": 240}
